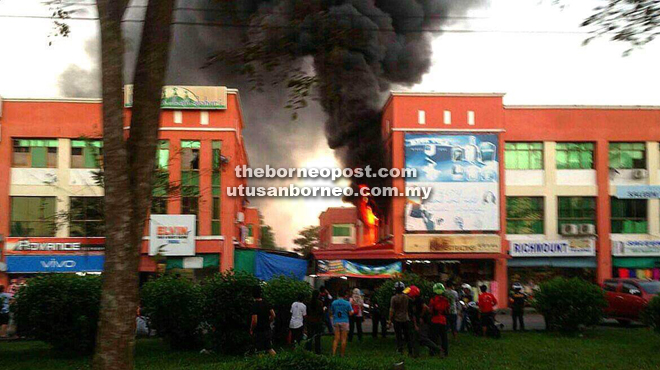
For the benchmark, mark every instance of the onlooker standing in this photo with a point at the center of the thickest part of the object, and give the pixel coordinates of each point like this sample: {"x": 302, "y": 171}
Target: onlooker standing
{"x": 326, "y": 298}
{"x": 4, "y": 311}
{"x": 421, "y": 319}
{"x": 401, "y": 319}
{"x": 262, "y": 316}
{"x": 297, "y": 323}
{"x": 518, "y": 300}
{"x": 341, "y": 310}
{"x": 487, "y": 303}
{"x": 466, "y": 297}
{"x": 454, "y": 308}
{"x": 315, "y": 317}
{"x": 439, "y": 307}
{"x": 378, "y": 318}
{"x": 357, "y": 318}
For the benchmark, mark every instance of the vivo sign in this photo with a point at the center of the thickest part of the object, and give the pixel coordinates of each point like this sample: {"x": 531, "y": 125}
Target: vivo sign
{"x": 33, "y": 264}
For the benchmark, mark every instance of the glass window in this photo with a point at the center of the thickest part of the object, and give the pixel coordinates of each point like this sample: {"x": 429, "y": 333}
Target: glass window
{"x": 610, "y": 285}
{"x": 627, "y": 155}
{"x": 162, "y": 187}
{"x": 523, "y": 156}
{"x": 215, "y": 187}
{"x": 34, "y": 153}
{"x": 341, "y": 230}
{"x": 575, "y": 156}
{"x": 86, "y": 153}
{"x": 577, "y": 210}
{"x": 629, "y": 216}
{"x": 86, "y": 216}
{"x": 33, "y": 216}
{"x": 250, "y": 232}
{"x": 628, "y": 287}
{"x": 524, "y": 215}
{"x": 190, "y": 155}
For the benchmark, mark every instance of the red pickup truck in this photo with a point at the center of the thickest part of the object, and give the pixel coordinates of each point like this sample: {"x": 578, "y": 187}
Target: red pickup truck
{"x": 627, "y": 298}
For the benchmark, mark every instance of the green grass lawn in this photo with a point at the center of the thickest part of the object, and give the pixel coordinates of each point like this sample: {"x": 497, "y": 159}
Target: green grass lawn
{"x": 603, "y": 348}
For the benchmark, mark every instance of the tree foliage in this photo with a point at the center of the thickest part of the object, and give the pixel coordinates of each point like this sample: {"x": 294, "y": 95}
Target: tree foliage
{"x": 308, "y": 240}
{"x": 651, "y": 315}
{"x": 267, "y": 238}
{"x": 384, "y": 293}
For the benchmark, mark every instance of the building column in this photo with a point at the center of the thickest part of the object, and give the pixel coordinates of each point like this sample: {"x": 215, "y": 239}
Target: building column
{"x": 603, "y": 212}
{"x": 63, "y": 180}
{"x": 502, "y": 279}
{"x": 550, "y": 211}
{"x": 653, "y": 166}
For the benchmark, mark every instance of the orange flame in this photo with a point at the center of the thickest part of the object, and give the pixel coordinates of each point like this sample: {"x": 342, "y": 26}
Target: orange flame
{"x": 366, "y": 211}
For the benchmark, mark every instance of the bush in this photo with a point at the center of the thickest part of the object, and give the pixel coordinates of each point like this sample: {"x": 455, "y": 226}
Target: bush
{"x": 281, "y": 292}
{"x": 61, "y": 310}
{"x": 651, "y": 315}
{"x": 569, "y": 304}
{"x": 384, "y": 293}
{"x": 174, "y": 307}
{"x": 227, "y": 310}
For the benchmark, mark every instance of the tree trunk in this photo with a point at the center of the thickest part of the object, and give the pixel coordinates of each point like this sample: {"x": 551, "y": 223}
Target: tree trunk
{"x": 128, "y": 166}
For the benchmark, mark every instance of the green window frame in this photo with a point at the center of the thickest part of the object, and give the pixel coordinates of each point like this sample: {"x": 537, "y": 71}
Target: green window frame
{"x": 575, "y": 156}
{"x": 525, "y": 215}
{"x": 341, "y": 230}
{"x": 161, "y": 188}
{"x": 86, "y": 153}
{"x": 33, "y": 216}
{"x": 250, "y": 230}
{"x": 216, "y": 190}
{"x": 629, "y": 216}
{"x": 86, "y": 217}
{"x": 576, "y": 210}
{"x": 523, "y": 156}
{"x": 627, "y": 155}
{"x": 34, "y": 153}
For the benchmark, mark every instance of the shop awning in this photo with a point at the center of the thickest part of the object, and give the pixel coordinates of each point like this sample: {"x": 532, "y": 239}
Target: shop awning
{"x": 575, "y": 262}
{"x": 197, "y": 262}
{"x": 244, "y": 260}
{"x": 636, "y": 262}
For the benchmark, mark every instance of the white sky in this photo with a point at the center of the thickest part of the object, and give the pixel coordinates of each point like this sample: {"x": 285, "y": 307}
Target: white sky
{"x": 536, "y": 58}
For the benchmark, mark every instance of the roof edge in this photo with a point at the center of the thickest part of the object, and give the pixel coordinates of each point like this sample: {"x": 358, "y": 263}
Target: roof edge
{"x": 578, "y": 106}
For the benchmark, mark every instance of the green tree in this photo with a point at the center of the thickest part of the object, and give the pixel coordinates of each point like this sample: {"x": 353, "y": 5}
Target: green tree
{"x": 308, "y": 240}
{"x": 267, "y": 238}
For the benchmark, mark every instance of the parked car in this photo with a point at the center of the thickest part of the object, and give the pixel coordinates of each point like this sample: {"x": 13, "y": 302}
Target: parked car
{"x": 627, "y": 298}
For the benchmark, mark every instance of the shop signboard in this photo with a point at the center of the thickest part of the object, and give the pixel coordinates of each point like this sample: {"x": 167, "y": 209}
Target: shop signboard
{"x": 172, "y": 235}
{"x": 49, "y": 245}
{"x": 463, "y": 173}
{"x": 54, "y": 263}
{"x": 553, "y": 248}
{"x": 186, "y": 97}
{"x": 638, "y": 191}
{"x": 468, "y": 243}
{"x": 636, "y": 248}
{"x": 352, "y": 269}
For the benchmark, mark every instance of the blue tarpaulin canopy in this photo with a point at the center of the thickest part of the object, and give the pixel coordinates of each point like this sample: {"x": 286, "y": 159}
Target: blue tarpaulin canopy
{"x": 268, "y": 266}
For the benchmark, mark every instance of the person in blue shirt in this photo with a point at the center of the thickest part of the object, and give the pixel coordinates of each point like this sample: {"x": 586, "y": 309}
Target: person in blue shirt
{"x": 341, "y": 310}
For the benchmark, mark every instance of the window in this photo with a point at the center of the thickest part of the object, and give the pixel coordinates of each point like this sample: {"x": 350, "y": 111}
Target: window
{"x": 610, "y": 285}
{"x": 190, "y": 179}
{"x": 34, "y": 153}
{"x": 341, "y": 230}
{"x": 162, "y": 188}
{"x": 628, "y": 287}
{"x": 86, "y": 153}
{"x": 86, "y": 217}
{"x": 577, "y": 210}
{"x": 629, "y": 216}
{"x": 33, "y": 216}
{"x": 575, "y": 156}
{"x": 523, "y": 156}
{"x": 627, "y": 155}
{"x": 524, "y": 215}
{"x": 250, "y": 232}
{"x": 215, "y": 188}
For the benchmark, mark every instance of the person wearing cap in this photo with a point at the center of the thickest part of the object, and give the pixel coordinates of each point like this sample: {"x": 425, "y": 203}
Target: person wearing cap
{"x": 400, "y": 317}
{"x": 466, "y": 296}
{"x": 439, "y": 306}
{"x": 421, "y": 319}
{"x": 518, "y": 299}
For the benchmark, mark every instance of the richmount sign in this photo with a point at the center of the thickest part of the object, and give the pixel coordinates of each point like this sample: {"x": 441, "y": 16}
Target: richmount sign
{"x": 555, "y": 248}
{"x": 43, "y": 245}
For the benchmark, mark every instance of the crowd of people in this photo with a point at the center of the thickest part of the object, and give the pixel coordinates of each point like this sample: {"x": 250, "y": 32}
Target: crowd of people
{"x": 416, "y": 322}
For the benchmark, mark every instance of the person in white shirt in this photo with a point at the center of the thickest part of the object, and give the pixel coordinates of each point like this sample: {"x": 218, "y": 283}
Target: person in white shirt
{"x": 298, "y": 313}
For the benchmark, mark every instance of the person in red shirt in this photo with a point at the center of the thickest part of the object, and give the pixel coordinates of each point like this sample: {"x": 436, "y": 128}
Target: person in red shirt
{"x": 439, "y": 307}
{"x": 487, "y": 303}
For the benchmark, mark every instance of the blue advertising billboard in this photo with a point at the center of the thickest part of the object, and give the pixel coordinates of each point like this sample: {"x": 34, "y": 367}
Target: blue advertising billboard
{"x": 54, "y": 263}
{"x": 463, "y": 172}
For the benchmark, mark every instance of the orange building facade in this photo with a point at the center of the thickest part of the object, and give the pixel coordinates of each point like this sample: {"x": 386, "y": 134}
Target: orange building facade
{"x": 520, "y": 193}
{"x": 51, "y": 201}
